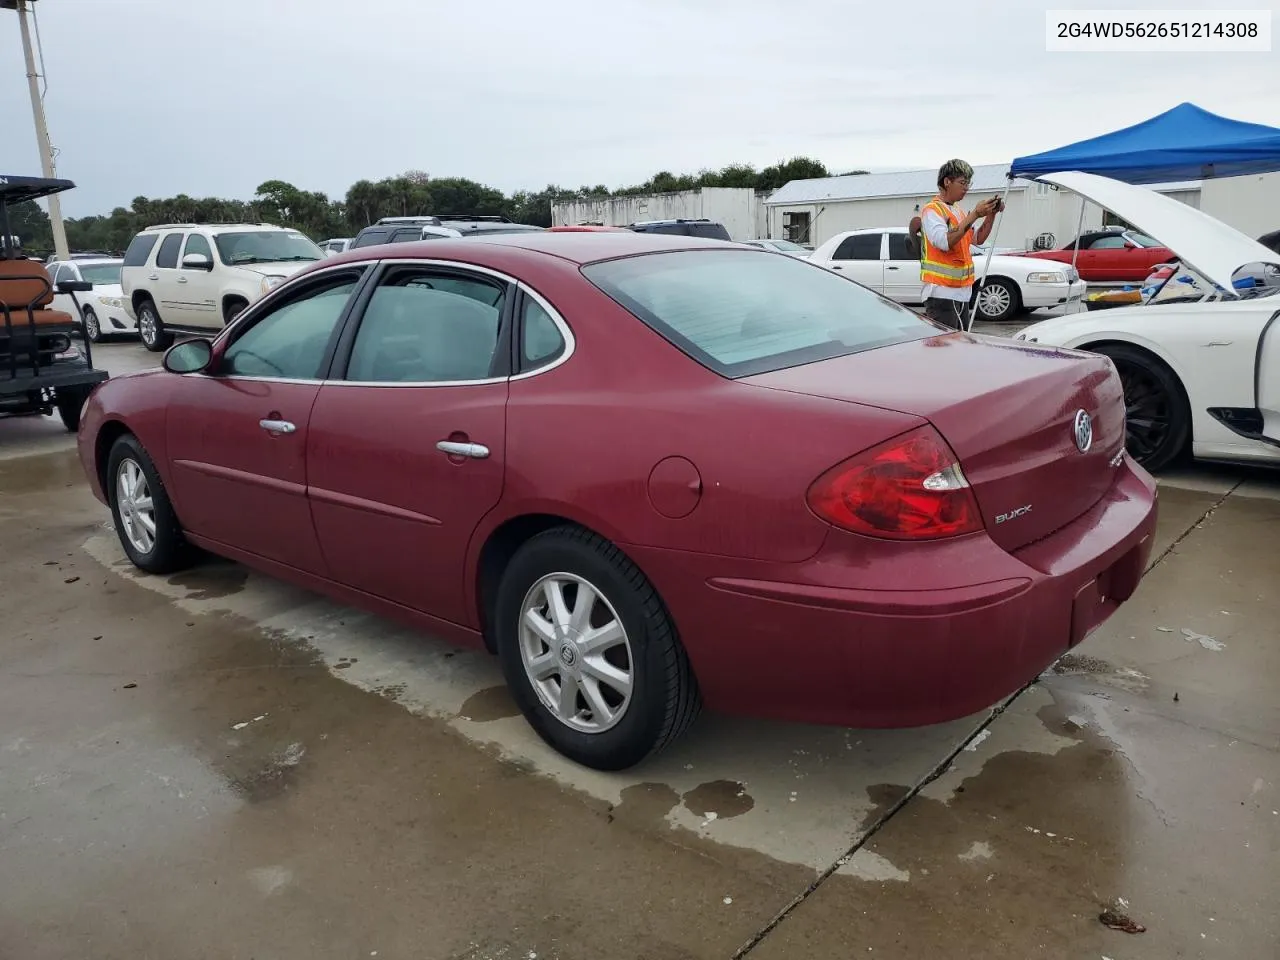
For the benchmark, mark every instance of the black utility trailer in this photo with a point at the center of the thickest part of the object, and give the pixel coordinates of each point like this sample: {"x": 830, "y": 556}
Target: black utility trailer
{"x": 43, "y": 367}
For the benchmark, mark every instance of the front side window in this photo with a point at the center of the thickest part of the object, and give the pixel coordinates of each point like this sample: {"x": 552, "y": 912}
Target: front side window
{"x": 196, "y": 243}
{"x": 243, "y": 247}
{"x": 424, "y": 326}
{"x": 898, "y": 248}
{"x": 1108, "y": 243}
{"x": 290, "y": 342}
{"x": 740, "y": 313}
{"x": 61, "y": 274}
{"x": 167, "y": 256}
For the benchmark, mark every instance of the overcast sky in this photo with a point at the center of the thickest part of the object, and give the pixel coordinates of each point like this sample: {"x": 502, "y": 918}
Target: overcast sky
{"x": 212, "y": 97}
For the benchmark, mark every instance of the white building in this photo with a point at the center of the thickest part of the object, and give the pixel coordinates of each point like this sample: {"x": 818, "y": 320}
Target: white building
{"x": 739, "y": 208}
{"x": 813, "y": 211}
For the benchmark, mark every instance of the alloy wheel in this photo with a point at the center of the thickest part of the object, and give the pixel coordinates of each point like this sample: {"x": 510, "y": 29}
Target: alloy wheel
{"x": 1148, "y": 411}
{"x": 135, "y": 506}
{"x": 576, "y": 653}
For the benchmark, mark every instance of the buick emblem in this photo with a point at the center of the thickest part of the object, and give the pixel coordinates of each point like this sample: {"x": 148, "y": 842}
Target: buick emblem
{"x": 1083, "y": 431}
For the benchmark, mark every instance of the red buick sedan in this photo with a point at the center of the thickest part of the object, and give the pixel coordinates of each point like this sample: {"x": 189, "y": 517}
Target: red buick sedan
{"x": 649, "y": 473}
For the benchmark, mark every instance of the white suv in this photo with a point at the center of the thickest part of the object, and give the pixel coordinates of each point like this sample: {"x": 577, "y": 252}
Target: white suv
{"x": 198, "y": 276}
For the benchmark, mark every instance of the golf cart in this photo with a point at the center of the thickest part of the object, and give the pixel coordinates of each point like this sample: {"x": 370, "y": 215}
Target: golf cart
{"x": 41, "y": 368}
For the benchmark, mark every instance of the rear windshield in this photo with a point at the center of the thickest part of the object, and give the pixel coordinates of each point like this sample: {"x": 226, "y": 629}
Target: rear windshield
{"x": 712, "y": 231}
{"x": 743, "y": 312}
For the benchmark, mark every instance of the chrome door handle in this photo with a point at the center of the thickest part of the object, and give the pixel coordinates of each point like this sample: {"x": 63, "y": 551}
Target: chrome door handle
{"x": 834, "y": 267}
{"x": 891, "y": 268}
{"x": 182, "y": 279}
{"x": 476, "y": 451}
{"x": 277, "y": 426}
{"x": 154, "y": 276}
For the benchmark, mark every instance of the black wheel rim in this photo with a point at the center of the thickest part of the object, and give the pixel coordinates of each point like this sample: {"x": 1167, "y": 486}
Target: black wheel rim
{"x": 1148, "y": 411}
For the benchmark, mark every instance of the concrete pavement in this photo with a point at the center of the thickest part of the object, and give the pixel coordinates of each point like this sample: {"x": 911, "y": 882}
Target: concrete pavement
{"x": 215, "y": 764}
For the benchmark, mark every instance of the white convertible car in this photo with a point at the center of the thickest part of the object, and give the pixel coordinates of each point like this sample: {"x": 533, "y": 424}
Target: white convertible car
{"x": 1202, "y": 373}
{"x": 879, "y": 258}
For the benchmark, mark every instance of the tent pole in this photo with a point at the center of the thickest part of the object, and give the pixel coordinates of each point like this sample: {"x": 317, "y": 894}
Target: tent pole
{"x": 991, "y": 249}
{"x": 1079, "y": 226}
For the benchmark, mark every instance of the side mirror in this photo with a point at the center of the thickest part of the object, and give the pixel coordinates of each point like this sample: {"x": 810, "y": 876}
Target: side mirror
{"x": 196, "y": 261}
{"x": 74, "y": 286}
{"x": 189, "y": 356}
{"x": 1130, "y": 246}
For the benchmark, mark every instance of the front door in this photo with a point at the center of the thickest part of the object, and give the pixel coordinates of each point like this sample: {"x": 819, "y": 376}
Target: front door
{"x": 860, "y": 257}
{"x": 406, "y": 453}
{"x": 237, "y": 435}
{"x": 197, "y": 288}
{"x": 1268, "y": 378}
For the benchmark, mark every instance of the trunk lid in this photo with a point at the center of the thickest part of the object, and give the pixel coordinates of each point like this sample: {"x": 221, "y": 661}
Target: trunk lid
{"x": 1007, "y": 409}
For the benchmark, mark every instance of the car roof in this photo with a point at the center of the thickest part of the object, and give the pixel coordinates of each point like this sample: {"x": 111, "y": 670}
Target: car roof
{"x": 93, "y": 261}
{"x": 577, "y": 247}
{"x": 219, "y": 227}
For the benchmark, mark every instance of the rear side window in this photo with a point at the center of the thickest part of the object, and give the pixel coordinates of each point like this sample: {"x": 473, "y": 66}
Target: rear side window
{"x": 712, "y": 231}
{"x": 860, "y": 246}
{"x": 407, "y": 235}
{"x": 741, "y": 312}
{"x": 168, "y": 255}
{"x": 140, "y": 249}
{"x": 371, "y": 238}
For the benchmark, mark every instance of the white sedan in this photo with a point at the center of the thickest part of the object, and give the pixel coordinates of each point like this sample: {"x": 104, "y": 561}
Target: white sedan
{"x": 103, "y": 307}
{"x": 879, "y": 258}
{"x": 1201, "y": 372}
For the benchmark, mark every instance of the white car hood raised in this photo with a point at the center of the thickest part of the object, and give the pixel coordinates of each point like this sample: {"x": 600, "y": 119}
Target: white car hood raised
{"x": 1210, "y": 247}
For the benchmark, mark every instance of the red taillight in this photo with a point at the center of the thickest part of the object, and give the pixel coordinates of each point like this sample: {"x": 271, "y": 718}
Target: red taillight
{"x": 909, "y": 488}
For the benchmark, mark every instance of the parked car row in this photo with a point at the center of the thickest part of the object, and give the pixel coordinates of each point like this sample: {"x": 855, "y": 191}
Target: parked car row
{"x": 880, "y": 259}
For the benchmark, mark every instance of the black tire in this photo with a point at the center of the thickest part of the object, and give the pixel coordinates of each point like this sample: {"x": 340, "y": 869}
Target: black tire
{"x": 69, "y": 401}
{"x": 151, "y": 329}
{"x": 231, "y": 309}
{"x": 92, "y": 326}
{"x": 1157, "y": 414}
{"x": 1001, "y": 293}
{"x": 169, "y": 551}
{"x": 664, "y": 692}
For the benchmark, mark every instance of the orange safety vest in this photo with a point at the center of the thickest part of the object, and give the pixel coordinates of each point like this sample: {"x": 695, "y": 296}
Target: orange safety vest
{"x": 946, "y": 268}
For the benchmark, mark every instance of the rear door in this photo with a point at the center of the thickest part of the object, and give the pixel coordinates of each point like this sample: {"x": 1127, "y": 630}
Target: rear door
{"x": 901, "y": 272}
{"x": 162, "y": 281}
{"x": 237, "y": 437}
{"x": 860, "y": 257}
{"x": 58, "y": 273}
{"x": 406, "y": 447}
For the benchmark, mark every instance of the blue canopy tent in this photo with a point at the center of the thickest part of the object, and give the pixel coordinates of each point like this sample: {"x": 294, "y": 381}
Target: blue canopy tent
{"x": 1185, "y": 143}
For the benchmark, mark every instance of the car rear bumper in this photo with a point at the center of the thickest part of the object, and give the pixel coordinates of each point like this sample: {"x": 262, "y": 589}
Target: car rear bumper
{"x": 929, "y": 636}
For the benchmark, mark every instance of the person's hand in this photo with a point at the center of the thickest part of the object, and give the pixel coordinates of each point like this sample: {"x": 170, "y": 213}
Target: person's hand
{"x": 986, "y": 208}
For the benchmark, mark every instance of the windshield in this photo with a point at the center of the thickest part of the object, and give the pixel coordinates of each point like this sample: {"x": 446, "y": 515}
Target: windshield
{"x": 741, "y": 313}
{"x": 265, "y": 246}
{"x": 100, "y": 274}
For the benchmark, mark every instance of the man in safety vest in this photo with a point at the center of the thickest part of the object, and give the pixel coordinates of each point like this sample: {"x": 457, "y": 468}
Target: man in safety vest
{"x": 947, "y": 232}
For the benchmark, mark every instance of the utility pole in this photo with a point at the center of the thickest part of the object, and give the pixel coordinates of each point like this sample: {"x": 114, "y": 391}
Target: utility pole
{"x": 42, "y": 131}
